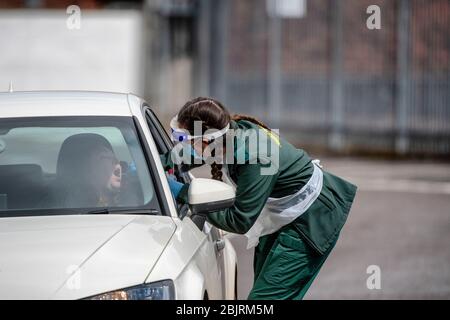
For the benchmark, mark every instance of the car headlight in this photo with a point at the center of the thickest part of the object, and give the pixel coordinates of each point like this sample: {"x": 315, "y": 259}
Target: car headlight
{"x": 162, "y": 290}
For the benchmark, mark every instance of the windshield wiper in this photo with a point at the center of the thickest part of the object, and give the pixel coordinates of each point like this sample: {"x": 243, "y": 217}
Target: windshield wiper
{"x": 122, "y": 211}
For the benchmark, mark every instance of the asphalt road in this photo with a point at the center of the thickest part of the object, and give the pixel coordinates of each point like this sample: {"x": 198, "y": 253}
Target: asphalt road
{"x": 400, "y": 222}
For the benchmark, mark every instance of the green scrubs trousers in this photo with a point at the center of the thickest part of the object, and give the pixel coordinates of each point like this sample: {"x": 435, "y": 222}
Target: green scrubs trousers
{"x": 285, "y": 266}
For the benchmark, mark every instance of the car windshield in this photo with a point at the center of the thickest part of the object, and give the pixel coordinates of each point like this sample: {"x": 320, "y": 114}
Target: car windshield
{"x": 63, "y": 165}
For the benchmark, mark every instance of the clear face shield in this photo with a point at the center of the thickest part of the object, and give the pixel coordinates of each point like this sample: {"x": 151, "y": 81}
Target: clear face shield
{"x": 192, "y": 145}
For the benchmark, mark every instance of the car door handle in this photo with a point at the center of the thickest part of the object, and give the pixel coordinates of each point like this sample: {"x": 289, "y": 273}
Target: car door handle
{"x": 220, "y": 244}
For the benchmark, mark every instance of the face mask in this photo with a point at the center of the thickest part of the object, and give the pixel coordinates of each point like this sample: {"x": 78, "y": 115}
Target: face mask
{"x": 196, "y": 155}
{"x": 184, "y": 153}
{"x": 194, "y": 152}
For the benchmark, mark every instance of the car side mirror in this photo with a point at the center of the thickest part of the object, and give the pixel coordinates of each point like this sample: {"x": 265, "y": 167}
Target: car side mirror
{"x": 208, "y": 195}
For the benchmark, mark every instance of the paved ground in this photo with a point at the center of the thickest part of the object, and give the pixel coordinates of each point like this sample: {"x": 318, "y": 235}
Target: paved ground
{"x": 400, "y": 222}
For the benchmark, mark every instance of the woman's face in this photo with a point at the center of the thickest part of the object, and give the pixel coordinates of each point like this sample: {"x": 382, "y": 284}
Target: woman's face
{"x": 115, "y": 178}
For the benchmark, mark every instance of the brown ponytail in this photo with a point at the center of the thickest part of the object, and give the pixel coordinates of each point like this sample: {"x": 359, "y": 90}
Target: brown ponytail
{"x": 216, "y": 171}
{"x": 216, "y": 168}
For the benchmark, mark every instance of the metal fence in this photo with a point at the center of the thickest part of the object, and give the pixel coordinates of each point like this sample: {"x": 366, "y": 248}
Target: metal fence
{"x": 323, "y": 77}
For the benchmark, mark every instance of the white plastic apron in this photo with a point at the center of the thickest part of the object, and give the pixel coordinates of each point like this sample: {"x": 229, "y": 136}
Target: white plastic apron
{"x": 279, "y": 212}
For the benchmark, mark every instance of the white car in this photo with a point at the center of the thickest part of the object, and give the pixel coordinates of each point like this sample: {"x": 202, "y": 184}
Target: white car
{"x": 86, "y": 211}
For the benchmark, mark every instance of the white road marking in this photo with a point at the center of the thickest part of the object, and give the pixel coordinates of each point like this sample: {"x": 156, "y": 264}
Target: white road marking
{"x": 402, "y": 185}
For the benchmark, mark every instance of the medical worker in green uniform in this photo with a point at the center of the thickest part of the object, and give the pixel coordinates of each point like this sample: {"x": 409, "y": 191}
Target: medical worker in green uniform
{"x": 293, "y": 215}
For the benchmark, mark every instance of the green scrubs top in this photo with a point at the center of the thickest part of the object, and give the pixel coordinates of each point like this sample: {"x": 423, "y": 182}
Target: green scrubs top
{"x": 319, "y": 226}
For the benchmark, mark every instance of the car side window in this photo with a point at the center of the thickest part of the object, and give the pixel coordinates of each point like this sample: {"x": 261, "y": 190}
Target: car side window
{"x": 164, "y": 145}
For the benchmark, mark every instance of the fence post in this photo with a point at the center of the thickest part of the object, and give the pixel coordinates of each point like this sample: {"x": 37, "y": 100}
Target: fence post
{"x": 402, "y": 77}
{"x": 202, "y": 56}
{"x": 157, "y": 56}
{"x": 337, "y": 81}
{"x": 275, "y": 68}
{"x": 219, "y": 49}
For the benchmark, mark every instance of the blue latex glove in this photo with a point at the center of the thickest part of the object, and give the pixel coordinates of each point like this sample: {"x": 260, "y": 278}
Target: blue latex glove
{"x": 132, "y": 168}
{"x": 174, "y": 185}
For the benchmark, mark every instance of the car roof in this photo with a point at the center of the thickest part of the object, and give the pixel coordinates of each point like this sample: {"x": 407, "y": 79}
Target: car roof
{"x": 65, "y": 103}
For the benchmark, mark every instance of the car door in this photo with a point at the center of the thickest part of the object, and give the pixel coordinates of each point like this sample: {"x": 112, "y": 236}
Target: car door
{"x": 215, "y": 241}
